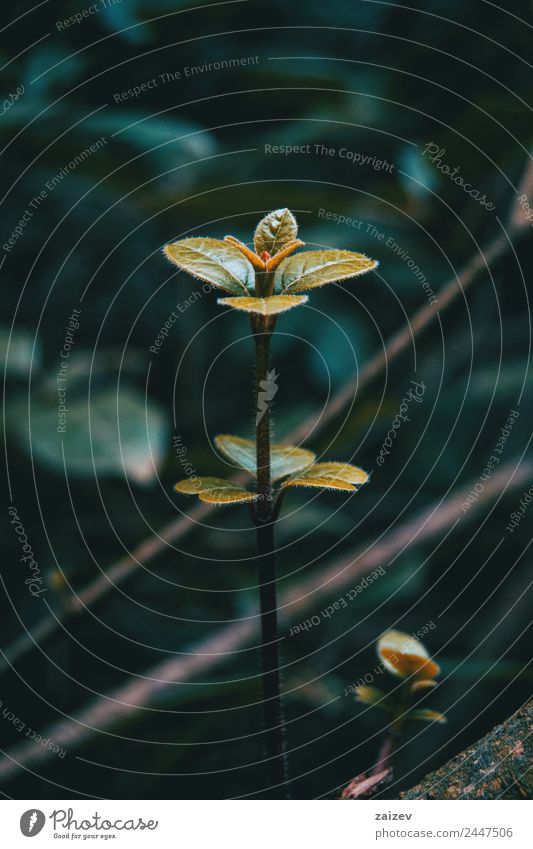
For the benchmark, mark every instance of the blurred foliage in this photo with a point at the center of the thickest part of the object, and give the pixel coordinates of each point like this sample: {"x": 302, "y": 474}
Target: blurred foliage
{"x": 187, "y": 157}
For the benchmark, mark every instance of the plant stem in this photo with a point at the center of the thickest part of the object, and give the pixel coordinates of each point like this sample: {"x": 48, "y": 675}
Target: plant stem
{"x": 276, "y": 768}
{"x": 394, "y": 731}
{"x": 277, "y": 778}
{"x": 262, "y": 334}
{"x": 387, "y": 749}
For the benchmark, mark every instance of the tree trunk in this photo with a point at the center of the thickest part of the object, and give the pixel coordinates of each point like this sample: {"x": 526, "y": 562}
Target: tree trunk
{"x": 500, "y": 766}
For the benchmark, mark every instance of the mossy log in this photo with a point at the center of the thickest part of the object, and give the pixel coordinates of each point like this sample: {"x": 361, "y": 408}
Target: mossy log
{"x": 499, "y": 766}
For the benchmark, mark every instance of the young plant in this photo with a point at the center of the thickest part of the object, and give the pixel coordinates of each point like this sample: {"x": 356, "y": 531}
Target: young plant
{"x": 265, "y": 282}
{"x": 407, "y": 658}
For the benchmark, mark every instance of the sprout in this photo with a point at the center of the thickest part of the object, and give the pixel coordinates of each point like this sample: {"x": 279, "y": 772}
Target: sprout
{"x": 265, "y": 281}
{"x": 407, "y": 658}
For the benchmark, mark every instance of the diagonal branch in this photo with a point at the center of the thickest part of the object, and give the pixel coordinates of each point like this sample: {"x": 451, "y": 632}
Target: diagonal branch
{"x": 220, "y": 646}
{"x": 499, "y": 766}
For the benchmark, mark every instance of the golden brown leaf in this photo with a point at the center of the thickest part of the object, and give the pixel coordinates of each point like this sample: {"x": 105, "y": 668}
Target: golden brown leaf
{"x": 284, "y": 459}
{"x": 340, "y": 476}
{"x": 265, "y": 306}
{"x": 215, "y": 490}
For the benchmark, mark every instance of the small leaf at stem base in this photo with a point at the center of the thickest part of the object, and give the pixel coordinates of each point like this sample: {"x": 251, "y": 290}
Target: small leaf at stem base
{"x": 215, "y": 490}
{"x": 420, "y": 686}
{"x": 427, "y": 715}
{"x": 265, "y": 306}
{"x": 373, "y": 696}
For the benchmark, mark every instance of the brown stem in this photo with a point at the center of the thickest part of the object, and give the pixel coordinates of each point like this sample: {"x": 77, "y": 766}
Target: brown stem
{"x": 262, "y": 334}
{"x": 387, "y": 749}
{"x": 385, "y": 754}
{"x": 394, "y": 731}
{"x": 274, "y": 744}
{"x": 264, "y": 286}
{"x": 277, "y": 778}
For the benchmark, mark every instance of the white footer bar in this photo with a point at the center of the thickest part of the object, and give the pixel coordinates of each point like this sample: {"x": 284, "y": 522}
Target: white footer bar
{"x": 267, "y": 825}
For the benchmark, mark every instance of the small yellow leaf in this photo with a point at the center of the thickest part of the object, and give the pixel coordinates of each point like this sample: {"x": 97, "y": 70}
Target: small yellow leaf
{"x": 372, "y": 696}
{"x": 427, "y": 715}
{"x": 340, "y": 476}
{"x": 215, "y": 490}
{"x": 420, "y": 686}
{"x": 284, "y": 459}
{"x": 265, "y": 306}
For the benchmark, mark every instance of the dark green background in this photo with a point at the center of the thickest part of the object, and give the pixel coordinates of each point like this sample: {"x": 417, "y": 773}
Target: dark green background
{"x": 188, "y": 159}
